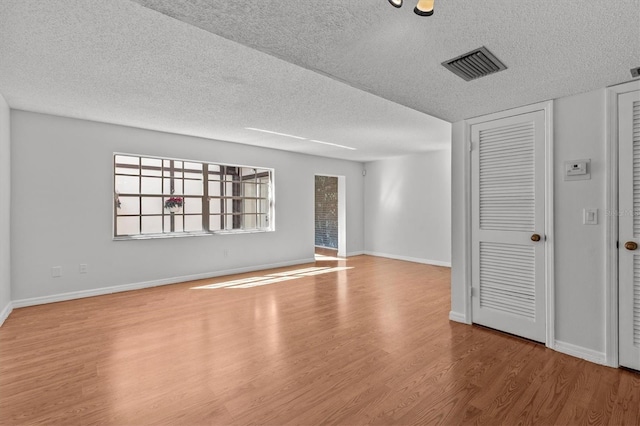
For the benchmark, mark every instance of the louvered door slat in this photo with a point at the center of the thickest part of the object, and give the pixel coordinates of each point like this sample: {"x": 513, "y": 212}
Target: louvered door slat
{"x": 506, "y": 161}
{"x": 636, "y": 219}
{"x": 497, "y": 289}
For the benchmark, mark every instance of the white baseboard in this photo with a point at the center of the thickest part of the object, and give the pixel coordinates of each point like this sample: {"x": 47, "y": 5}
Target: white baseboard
{"x": 5, "y": 313}
{"x": 457, "y": 317}
{"x": 146, "y": 284}
{"x": 580, "y": 352}
{"x": 355, "y": 253}
{"x": 409, "y": 259}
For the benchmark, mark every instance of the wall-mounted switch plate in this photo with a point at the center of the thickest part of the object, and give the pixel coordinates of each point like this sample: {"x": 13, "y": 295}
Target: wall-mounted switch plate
{"x": 577, "y": 170}
{"x": 590, "y": 216}
{"x": 84, "y": 268}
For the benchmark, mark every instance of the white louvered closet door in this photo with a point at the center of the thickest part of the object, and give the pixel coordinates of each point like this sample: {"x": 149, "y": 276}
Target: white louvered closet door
{"x": 629, "y": 228}
{"x": 508, "y": 270}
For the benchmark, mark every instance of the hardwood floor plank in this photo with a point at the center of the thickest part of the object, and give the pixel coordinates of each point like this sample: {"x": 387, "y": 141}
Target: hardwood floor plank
{"x": 367, "y": 345}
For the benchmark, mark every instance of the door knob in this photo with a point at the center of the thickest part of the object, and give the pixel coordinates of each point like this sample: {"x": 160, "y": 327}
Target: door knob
{"x": 535, "y": 237}
{"x": 630, "y": 245}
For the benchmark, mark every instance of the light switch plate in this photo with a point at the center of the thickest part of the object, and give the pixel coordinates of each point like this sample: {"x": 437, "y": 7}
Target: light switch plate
{"x": 590, "y": 216}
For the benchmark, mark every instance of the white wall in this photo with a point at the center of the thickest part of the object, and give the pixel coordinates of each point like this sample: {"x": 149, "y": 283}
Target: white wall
{"x": 62, "y": 208}
{"x": 5, "y": 210}
{"x": 408, "y": 207}
{"x": 579, "y": 132}
{"x": 580, "y": 126}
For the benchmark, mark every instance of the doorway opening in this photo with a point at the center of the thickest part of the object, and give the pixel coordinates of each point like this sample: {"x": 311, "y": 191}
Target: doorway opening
{"x": 330, "y": 215}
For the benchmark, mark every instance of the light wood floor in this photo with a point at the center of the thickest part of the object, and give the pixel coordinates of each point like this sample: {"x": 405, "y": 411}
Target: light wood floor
{"x": 372, "y": 344}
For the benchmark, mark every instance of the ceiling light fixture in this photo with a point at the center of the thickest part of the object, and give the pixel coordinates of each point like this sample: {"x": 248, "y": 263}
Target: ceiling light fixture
{"x": 423, "y": 8}
{"x": 299, "y": 137}
{"x": 332, "y": 144}
{"x": 275, "y": 133}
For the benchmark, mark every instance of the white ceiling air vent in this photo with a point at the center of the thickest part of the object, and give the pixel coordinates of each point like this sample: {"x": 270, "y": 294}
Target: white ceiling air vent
{"x": 475, "y": 64}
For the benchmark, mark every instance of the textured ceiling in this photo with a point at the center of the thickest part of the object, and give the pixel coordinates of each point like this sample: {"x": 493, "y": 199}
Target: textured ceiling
{"x": 223, "y": 66}
{"x": 118, "y": 62}
{"x": 553, "y": 48}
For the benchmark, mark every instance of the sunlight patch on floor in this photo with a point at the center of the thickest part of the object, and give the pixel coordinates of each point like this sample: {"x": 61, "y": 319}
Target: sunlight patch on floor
{"x": 323, "y": 258}
{"x": 273, "y": 278}
{"x": 297, "y": 271}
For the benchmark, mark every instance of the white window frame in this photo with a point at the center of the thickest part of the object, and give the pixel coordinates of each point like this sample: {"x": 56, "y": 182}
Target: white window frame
{"x": 237, "y": 199}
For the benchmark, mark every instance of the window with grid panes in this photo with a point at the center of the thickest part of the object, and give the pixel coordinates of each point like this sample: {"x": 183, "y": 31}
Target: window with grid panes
{"x": 160, "y": 197}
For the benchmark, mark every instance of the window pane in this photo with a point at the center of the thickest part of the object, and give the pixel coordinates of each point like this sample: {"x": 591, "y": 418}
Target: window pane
{"x": 154, "y": 162}
{"x": 193, "y": 187}
{"x": 151, "y": 224}
{"x": 228, "y": 206}
{"x": 214, "y": 189}
{"x": 179, "y": 223}
{"x": 228, "y": 221}
{"x": 263, "y": 205}
{"x": 151, "y": 185}
{"x": 177, "y": 186}
{"x": 153, "y": 167}
{"x": 127, "y": 171}
{"x": 262, "y": 221}
{"x": 128, "y": 225}
{"x": 125, "y": 159}
{"x": 214, "y": 223}
{"x": 166, "y": 186}
{"x": 213, "y": 168}
{"x": 193, "y": 223}
{"x": 176, "y": 171}
{"x": 262, "y": 190}
{"x": 215, "y": 205}
{"x": 249, "y": 221}
{"x": 152, "y": 205}
{"x": 193, "y": 205}
{"x": 250, "y": 206}
{"x": 127, "y": 184}
{"x": 177, "y": 220}
{"x": 249, "y": 189}
{"x": 247, "y": 171}
{"x": 152, "y": 172}
{"x": 193, "y": 170}
{"x": 129, "y": 205}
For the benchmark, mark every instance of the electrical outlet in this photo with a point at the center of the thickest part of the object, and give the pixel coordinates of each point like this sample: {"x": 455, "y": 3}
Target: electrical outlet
{"x": 225, "y": 253}
{"x": 84, "y": 268}
{"x": 56, "y": 272}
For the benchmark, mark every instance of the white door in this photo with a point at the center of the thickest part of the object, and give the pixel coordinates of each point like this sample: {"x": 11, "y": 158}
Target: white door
{"x": 629, "y": 228}
{"x": 508, "y": 206}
